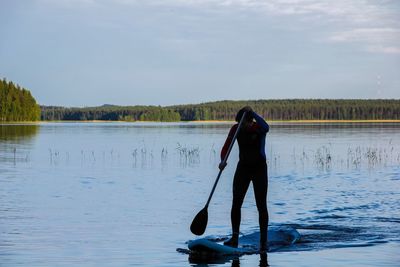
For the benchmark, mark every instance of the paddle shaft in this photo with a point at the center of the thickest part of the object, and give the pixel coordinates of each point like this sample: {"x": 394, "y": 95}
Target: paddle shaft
{"x": 225, "y": 159}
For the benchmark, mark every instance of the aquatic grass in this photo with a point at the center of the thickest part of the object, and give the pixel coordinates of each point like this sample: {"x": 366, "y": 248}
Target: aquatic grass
{"x": 54, "y": 157}
{"x": 164, "y": 153}
{"x": 188, "y": 155}
{"x": 328, "y": 157}
{"x": 134, "y": 157}
{"x": 213, "y": 154}
{"x": 325, "y": 158}
{"x": 14, "y": 155}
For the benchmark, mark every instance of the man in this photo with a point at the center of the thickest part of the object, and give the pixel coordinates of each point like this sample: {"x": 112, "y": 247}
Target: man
{"x": 252, "y": 167}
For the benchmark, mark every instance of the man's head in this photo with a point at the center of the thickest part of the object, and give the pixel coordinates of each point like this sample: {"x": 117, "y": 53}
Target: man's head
{"x": 248, "y": 117}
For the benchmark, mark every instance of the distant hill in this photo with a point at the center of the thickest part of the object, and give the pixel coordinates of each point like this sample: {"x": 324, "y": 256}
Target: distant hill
{"x": 108, "y": 106}
{"x": 280, "y": 109}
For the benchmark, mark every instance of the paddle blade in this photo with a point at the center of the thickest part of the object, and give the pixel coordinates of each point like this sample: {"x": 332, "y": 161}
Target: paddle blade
{"x": 199, "y": 224}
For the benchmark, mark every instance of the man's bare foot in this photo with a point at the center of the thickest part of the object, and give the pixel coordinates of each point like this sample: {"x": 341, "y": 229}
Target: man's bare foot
{"x": 233, "y": 242}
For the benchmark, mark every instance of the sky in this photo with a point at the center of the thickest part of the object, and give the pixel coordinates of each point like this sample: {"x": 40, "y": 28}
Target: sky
{"x": 166, "y": 52}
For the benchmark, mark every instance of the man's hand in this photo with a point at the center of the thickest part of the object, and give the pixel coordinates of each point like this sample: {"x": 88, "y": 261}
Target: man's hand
{"x": 222, "y": 165}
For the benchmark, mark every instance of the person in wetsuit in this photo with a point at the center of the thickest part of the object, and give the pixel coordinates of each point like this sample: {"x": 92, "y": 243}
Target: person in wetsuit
{"x": 252, "y": 167}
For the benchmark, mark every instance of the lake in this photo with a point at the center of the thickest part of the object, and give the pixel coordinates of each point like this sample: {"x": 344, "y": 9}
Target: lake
{"x": 124, "y": 194}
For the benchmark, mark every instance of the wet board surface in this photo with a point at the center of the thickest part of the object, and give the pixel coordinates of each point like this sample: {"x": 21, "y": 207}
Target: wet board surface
{"x": 248, "y": 244}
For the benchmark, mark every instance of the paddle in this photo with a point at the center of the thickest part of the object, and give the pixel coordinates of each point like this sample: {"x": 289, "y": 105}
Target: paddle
{"x": 199, "y": 222}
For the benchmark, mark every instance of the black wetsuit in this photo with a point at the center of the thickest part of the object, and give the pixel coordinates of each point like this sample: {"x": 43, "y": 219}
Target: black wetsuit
{"x": 252, "y": 167}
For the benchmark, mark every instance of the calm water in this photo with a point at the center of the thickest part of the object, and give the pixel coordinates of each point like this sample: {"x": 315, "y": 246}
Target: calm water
{"x": 124, "y": 194}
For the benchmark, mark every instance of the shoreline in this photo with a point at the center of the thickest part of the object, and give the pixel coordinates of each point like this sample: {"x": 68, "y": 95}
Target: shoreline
{"x": 312, "y": 121}
{"x": 203, "y": 121}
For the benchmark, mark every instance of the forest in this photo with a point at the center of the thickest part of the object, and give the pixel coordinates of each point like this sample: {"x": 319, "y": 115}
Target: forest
{"x": 16, "y": 103}
{"x": 277, "y": 110}
{"x": 111, "y": 113}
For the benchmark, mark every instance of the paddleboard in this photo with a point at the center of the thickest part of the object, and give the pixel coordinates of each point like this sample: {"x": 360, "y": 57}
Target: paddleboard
{"x": 248, "y": 244}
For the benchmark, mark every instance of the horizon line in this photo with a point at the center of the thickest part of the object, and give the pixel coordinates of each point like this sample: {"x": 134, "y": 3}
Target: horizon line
{"x": 226, "y": 100}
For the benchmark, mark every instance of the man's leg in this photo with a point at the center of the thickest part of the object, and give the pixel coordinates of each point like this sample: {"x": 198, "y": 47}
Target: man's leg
{"x": 260, "y": 185}
{"x": 240, "y": 185}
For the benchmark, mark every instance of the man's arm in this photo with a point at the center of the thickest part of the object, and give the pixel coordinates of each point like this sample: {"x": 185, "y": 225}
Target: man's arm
{"x": 260, "y": 121}
{"x": 228, "y": 142}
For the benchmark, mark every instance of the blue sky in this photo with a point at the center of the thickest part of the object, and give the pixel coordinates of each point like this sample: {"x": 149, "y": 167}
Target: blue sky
{"x": 163, "y": 52}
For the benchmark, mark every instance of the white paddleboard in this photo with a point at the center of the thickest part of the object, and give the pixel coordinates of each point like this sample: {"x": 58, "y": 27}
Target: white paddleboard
{"x": 248, "y": 244}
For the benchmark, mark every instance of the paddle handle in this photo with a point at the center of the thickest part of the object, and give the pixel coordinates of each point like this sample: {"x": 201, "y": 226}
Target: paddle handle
{"x": 225, "y": 159}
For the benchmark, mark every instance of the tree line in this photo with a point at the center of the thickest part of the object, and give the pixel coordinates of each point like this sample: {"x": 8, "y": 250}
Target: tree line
{"x": 290, "y": 109}
{"x": 111, "y": 113}
{"x": 297, "y": 109}
{"x": 16, "y": 103}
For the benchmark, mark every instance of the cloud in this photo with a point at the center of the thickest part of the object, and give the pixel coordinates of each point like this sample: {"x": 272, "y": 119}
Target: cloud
{"x": 378, "y": 40}
{"x": 373, "y": 25}
{"x": 68, "y": 3}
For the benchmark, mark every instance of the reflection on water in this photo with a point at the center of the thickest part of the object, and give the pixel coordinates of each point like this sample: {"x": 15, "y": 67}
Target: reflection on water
{"x": 233, "y": 260}
{"x": 121, "y": 194}
{"x": 17, "y": 132}
{"x": 14, "y": 142}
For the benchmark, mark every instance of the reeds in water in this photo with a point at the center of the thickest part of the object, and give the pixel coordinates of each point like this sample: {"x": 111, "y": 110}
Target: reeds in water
{"x": 188, "y": 155}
